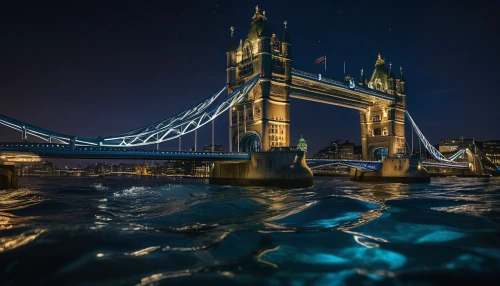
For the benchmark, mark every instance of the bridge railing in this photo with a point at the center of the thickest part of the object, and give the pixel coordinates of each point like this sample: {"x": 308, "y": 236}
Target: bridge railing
{"x": 31, "y": 146}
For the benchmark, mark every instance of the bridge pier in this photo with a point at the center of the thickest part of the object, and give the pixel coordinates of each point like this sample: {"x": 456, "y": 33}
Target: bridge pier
{"x": 278, "y": 167}
{"x": 395, "y": 170}
{"x": 8, "y": 177}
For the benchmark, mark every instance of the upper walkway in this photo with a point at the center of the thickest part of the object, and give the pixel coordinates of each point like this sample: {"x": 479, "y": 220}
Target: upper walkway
{"x": 315, "y": 87}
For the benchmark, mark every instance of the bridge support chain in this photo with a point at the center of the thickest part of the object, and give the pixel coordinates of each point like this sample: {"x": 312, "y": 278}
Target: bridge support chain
{"x": 397, "y": 170}
{"x": 284, "y": 168}
{"x": 8, "y": 177}
{"x": 196, "y": 140}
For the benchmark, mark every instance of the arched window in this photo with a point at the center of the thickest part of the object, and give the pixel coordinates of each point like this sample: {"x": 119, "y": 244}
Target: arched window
{"x": 247, "y": 51}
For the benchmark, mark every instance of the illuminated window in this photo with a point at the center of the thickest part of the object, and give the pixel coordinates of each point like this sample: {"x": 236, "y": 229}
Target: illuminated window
{"x": 377, "y": 132}
{"x": 376, "y": 118}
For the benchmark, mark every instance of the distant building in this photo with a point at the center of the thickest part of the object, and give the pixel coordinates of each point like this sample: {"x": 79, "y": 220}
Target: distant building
{"x": 453, "y": 145}
{"x": 346, "y": 150}
{"x": 340, "y": 150}
{"x": 492, "y": 150}
{"x": 208, "y": 148}
{"x": 302, "y": 145}
{"x": 358, "y": 152}
{"x": 45, "y": 168}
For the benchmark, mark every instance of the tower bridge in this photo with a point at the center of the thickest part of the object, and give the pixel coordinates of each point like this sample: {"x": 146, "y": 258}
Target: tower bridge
{"x": 265, "y": 114}
{"x": 260, "y": 82}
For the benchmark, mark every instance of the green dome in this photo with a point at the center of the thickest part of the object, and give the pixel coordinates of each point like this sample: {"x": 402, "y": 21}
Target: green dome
{"x": 302, "y": 144}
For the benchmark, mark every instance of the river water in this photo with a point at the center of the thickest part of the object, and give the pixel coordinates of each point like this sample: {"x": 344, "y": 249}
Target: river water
{"x": 142, "y": 231}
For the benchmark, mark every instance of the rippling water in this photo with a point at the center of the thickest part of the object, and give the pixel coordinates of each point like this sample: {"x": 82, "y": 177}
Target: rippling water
{"x": 93, "y": 231}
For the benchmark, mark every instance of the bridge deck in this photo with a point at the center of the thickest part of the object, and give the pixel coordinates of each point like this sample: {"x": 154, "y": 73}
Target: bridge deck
{"x": 52, "y": 150}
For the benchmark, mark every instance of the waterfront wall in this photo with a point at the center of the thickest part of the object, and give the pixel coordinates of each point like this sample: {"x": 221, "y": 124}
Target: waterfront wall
{"x": 8, "y": 177}
{"x": 272, "y": 168}
{"x": 403, "y": 170}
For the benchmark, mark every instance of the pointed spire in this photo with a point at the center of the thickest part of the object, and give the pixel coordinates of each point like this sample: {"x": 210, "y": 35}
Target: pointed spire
{"x": 391, "y": 75}
{"x": 258, "y": 16}
{"x": 401, "y": 77}
{"x": 379, "y": 61}
{"x": 362, "y": 78}
{"x": 286, "y": 37}
{"x": 232, "y": 46}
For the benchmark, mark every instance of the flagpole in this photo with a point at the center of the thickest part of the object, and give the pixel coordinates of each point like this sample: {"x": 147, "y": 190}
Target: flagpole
{"x": 325, "y": 65}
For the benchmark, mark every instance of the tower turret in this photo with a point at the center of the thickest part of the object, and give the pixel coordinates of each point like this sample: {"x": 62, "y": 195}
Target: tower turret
{"x": 391, "y": 81}
{"x": 265, "y": 114}
{"x": 286, "y": 43}
{"x": 379, "y": 77}
{"x": 231, "y": 59}
{"x": 362, "y": 78}
{"x": 402, "y": 81}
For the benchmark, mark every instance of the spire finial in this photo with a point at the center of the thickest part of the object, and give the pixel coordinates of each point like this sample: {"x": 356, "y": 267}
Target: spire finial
{"x": 264, "y": 14}
{"x": 379, "y": 61}
{"x": 257, "y": 9}
{"x": 400, "y": 69}
{"x": 361, "y": 72}
{"x": 232, "y": 31}
{"x": 284, "y": 23}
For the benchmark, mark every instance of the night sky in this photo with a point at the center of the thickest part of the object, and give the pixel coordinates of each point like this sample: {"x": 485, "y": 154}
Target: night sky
{"x": 92, "y": 68}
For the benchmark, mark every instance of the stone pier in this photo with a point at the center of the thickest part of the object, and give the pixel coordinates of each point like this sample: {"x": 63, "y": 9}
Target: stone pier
{"x": 396, "y": 170}
{"x": 280, "y": 167}
{"x": 8, "y": 177}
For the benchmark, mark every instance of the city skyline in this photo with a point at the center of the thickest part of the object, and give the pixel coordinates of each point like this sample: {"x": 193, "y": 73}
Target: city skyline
{"x": 97, "y": 69}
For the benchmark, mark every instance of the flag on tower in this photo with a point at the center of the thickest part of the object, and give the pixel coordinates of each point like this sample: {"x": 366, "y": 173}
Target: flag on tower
{"x": 320, "y": 60}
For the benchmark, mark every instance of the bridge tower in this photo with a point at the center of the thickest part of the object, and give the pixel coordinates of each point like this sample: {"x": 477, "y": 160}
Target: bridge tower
{"x": 263, "y": 120}
{"x": 382, "y": 125}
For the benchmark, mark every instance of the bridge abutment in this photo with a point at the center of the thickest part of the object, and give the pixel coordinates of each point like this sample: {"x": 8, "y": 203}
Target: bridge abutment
{"x": 396, "y": 170}
{"x": 8, "y": 177}
{"x": 280, "y": 168}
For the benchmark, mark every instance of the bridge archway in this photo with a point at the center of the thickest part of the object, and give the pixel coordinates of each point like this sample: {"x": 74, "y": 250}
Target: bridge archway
{"x": 378, "y": 153}
{"x": 250, "y": 142}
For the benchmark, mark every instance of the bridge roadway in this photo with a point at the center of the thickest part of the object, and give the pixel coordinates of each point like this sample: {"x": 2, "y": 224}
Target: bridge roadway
{"x": 54, "y": 150}
{"x": 372, "y": 166}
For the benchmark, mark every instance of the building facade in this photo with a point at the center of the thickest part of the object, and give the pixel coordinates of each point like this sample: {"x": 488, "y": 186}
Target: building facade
{"x": 382, "y": 125}
{"x": 492, "y": 150}
{"x": 263, "y": 120}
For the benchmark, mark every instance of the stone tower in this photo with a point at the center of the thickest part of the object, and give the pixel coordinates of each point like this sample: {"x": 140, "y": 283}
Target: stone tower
{"x": 263, "y": 120}
{"x": 382, "y": 125}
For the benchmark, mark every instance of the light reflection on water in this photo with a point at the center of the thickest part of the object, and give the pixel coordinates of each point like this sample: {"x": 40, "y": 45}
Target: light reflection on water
{"x": 143, "y": 231}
